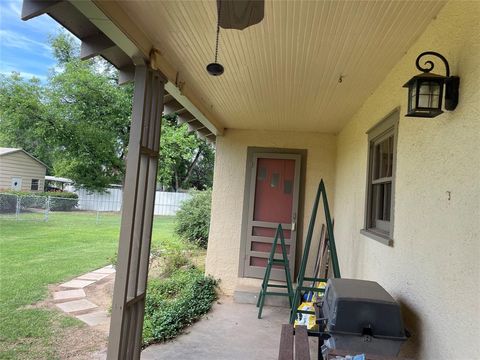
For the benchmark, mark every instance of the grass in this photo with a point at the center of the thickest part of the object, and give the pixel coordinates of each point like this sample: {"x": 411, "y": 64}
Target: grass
{"x": 34, "y": 254}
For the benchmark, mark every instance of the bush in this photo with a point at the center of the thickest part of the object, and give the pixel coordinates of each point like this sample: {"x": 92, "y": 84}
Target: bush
{"x": 68, "y": 201}
{"x": 8, "y": 203}
{"x": 193, "y": 218}
{"x": 176, "y": 302}
{"x": 174, "y": 261}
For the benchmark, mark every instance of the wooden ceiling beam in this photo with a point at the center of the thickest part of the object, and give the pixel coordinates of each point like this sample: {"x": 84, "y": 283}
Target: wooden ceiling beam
{"x": 34, "y": 8}
{"x": 94, "y": 45}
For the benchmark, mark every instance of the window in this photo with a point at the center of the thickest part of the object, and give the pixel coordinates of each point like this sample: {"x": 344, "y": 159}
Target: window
{"x": 34, "y": 185}
{"x": 381, "y": 180}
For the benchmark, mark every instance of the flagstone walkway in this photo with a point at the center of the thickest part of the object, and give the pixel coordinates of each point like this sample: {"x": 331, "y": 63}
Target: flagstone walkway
{"x": 71, "y": 298}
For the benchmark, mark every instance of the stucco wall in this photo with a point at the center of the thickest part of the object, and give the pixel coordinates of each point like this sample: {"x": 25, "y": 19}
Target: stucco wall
{"x": 228, "y": 190}
{"x": 433, "y": 267}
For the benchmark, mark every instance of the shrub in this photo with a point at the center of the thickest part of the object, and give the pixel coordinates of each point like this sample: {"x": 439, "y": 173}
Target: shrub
{"x": 8, "y": 203}
{"x": 174, "y": 261}
{"x": 59, "y": 201}
{"x": 176, "y": 302}
{"x": 62, "y": 201}
{"x": 193, "y": 218}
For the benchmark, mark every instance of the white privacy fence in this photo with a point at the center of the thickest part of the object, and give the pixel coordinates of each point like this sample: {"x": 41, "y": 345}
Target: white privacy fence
{"x": 166, "y": 203}
{"x": 42, "y": 208}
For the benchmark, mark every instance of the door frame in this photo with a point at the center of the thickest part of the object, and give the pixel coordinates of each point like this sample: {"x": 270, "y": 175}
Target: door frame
{"x": 251, "y": 152}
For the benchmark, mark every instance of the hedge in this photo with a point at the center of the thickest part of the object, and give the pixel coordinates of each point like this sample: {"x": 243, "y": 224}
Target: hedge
{"x": 59, "y": 201}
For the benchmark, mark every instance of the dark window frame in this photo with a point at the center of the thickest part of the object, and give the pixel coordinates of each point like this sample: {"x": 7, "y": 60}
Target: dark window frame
{"x": 374, "y": 227}
{"x": 33, "y": 187}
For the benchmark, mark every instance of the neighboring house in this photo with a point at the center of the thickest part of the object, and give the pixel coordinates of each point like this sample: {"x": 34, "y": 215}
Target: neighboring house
{"x": 313, "y": 91}
{"x": 20, "y": 171}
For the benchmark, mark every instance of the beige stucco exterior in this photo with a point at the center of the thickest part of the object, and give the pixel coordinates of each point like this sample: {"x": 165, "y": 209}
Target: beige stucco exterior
{"x": 223, "y": 254}
{"x": 432, "y": 267}
{"x": 18, "y": 164}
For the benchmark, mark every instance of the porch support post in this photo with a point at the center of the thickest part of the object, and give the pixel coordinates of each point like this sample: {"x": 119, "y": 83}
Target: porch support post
{"x": 128, "y": 305}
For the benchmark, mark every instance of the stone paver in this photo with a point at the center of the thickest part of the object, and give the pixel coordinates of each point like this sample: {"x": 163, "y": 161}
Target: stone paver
{"x": 109, "y": 269}
{"x": 69, "y": 294}
{"x": 94, "y": 318}
{"x": 78, "y": 284}
{"x": 90, "y": 313}
{"x": 93, "y": 276}
{"x": 76, "y": 305}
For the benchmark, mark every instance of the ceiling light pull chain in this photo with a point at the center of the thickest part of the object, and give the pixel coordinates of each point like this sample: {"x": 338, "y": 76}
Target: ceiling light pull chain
{"x": 218, "y": 29}
{"x": 215, "y": 68}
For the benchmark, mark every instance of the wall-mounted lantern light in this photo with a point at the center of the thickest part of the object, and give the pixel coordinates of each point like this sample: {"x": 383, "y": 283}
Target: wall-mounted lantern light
{"x": 425, "y": 91}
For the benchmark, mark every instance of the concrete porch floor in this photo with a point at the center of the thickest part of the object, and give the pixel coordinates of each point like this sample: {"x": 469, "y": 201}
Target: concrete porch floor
{"x": 230, "y": 331}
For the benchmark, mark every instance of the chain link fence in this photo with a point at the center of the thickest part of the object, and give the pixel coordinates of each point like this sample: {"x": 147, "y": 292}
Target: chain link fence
{"x": 96, "y": 208}
{"x": 33, "y": 207}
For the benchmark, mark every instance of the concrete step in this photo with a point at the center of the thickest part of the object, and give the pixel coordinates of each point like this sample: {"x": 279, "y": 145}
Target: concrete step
{"x": 248, "y": 294}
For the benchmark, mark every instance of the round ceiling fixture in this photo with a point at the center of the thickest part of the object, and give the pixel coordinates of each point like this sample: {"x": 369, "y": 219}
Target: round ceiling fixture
{"x": 215, "y": 69}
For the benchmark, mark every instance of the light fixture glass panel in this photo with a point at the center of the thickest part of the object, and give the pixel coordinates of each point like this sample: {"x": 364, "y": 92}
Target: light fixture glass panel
{"x": 413, "y": 97}
{"x": 435, "y": 101}
{"x": 429, "y": 94}
{"x": 424, "y": 101}
{"x": 425, "y": 88}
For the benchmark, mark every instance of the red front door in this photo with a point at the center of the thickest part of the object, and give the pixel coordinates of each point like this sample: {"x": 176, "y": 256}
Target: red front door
{"x": 274, "y": 190}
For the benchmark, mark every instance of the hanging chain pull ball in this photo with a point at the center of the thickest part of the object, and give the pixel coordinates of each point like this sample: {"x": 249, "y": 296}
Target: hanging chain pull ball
{"x": 216, "y": 69}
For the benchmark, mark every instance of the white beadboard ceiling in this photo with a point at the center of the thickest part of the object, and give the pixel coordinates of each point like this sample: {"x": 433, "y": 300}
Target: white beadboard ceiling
{"x": 283, "y": 74}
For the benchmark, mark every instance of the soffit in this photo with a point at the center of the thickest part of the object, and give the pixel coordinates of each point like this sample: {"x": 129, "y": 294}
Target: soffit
{"x": 83, "y": 20}
{"x": 283, "y": 74}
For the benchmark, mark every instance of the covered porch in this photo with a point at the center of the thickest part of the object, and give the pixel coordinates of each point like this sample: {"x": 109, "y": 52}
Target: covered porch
{"x": 318, "y": 83}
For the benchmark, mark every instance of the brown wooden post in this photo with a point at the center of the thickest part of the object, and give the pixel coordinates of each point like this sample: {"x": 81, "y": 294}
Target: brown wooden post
{"x": 128, "y": 305}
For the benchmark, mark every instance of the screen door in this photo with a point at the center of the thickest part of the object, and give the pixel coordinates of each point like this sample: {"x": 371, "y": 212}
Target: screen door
{"x": 273, "y": 200}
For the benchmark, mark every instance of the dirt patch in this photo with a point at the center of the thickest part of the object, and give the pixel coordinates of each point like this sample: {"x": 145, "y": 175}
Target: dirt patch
{"x": 73, "y": 339}
{"x": 80, "y": 342}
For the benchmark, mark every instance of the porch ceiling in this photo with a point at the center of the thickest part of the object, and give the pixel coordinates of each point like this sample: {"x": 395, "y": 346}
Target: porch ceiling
{"x": 282, "y": 74}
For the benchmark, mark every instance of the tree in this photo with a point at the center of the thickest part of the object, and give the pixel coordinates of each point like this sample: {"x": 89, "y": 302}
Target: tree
{"x": 79, "y": 124}
{"x": 185, "y": 161}
{"x": 24, "y": 117}
{"x": 94, "y": 116}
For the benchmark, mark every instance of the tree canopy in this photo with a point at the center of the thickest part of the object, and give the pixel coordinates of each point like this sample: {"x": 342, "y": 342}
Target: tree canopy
{"x": 185, "y": 161}
{"x": 78, "y": 123}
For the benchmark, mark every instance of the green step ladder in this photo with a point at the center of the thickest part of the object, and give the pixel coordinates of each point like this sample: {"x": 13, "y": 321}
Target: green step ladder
{"x": 333, "y": 255}
{"x": 266, "y": 279}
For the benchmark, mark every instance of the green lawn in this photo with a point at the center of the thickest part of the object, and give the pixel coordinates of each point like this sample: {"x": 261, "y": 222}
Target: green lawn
{"x": 34, "y": 254}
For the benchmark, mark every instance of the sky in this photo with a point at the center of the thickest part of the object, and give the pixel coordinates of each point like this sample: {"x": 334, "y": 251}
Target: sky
{"x": 24, "y": 45}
